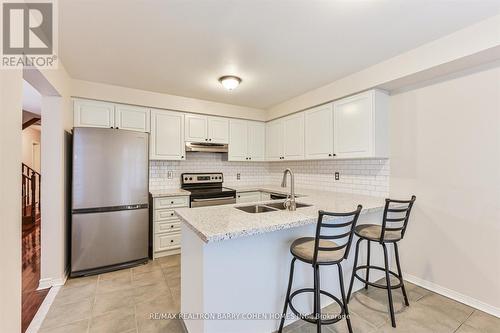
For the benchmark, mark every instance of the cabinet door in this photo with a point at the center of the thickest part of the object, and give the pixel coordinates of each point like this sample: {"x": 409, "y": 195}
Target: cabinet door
{"x": 319, "y": 132}
{"x": 94, "y": 114}
{"x": 265, "y": 196}
{"x": 132, "y": 118}
{"x": 256, "y": 141}
{"x": 274, "y": 140}
{"x": 238, "y": 140}
{"x": 218, "y": 130}
{"x": 293, "y": 129}
{"x": 167, "y": 135}
{"x": 248, "y": 197}
{"x": 353, "y": 126}
{"x": 196, "y": 128}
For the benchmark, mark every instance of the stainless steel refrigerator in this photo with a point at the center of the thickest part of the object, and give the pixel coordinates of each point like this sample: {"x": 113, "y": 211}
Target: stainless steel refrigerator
{"x": 110, "y": 219}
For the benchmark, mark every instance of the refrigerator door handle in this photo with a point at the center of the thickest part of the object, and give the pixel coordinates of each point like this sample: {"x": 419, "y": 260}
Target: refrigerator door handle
{"x": 109, "y": 209}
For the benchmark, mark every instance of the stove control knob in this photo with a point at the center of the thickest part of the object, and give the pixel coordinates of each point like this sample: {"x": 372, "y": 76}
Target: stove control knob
{"x": 190, "y": 178}
{"x": 185, "y": 178}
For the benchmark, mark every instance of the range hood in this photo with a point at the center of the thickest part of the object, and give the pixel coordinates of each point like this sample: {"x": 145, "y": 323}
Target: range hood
{"x": 206, "y": 147}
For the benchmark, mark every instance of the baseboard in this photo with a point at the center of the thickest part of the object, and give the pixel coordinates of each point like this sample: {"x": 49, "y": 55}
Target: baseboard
{"x": 49, "y": 282}
{"x": 459, "y": 297}
{"x": 44, "y": 283}
{"x": 40, "y": 315}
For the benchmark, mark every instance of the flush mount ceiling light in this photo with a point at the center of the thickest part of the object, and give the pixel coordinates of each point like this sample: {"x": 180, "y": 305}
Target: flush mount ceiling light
{"x": 229, "y": 82}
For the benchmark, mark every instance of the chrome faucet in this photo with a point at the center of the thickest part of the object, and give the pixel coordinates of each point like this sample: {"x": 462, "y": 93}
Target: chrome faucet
{"x": 290, "y": 201}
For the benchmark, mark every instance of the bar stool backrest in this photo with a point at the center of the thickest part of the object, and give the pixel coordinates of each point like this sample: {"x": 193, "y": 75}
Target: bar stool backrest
{"x": 347, "y": 222}
{"x": 396, "y": 216}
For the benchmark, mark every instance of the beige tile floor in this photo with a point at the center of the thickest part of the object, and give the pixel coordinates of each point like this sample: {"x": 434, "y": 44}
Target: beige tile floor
{"x": 122, "y": 302}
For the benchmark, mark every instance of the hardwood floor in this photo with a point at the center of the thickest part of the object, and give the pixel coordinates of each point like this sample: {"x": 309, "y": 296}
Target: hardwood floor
{"x": 31, "y": 298}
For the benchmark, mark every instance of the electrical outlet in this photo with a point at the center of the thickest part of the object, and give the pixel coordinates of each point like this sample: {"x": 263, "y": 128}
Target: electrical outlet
{"x": 238, "y": 176}
{"x": 169, "y": 174}
{"x": 337, "y": 176}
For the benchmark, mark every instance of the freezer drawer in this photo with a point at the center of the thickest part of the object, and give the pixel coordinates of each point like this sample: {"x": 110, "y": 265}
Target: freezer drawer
{"x": 110, "y": 238}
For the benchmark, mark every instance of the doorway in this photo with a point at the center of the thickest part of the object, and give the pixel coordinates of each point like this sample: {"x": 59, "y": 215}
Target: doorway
{"x": 32, "y": 298}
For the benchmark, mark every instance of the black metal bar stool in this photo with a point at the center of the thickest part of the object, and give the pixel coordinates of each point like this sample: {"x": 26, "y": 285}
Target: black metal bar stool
{"x": 317, "y": 251}
{"x": 397, "y": 214}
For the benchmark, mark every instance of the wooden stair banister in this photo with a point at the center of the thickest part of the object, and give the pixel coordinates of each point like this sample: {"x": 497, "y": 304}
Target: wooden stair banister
{"x": 30, "y": 122}
{"x": 30, "y": 189}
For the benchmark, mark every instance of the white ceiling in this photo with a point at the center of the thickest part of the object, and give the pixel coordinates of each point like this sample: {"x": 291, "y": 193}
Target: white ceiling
{"x": 280, "y": 48}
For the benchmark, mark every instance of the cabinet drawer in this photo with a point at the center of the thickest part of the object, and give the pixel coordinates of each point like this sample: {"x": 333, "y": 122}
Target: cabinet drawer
{"x": 168, "y": 226}
{"x": 164, "y": 214}
{"x": 171, "y": 202}
{"x": 167, "y": 241}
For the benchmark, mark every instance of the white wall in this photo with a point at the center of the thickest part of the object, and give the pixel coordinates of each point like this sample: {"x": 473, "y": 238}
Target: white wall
{"x": 10, "y": 203}
{"x": 117, "y": 94}
{"x": 57, "y": 112}
{"x": 445, "y": 148}
{"x": 30, "y": 136}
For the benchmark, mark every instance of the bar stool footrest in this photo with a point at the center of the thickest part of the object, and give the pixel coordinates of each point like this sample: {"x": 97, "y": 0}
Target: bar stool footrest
{"x": 376, "y": 285}
{"x": 311, "y": 318}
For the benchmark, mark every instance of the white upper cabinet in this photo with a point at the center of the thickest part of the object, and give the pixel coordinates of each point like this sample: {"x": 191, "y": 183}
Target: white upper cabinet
{"x": 132, "y": 118}
{"x": 94, "y": 114}
{"x": 361, "y": 125}
{"x": 238, "y": 140}
{"x": 108, "y": 115}
{"x": 196, "y": 128}
{"x": 319, "y": 132}
{"x": 206, "y": 129}
{"x": 218, "y": 130}
{"x": 246, "y": 140}
{"x": 293, "y": 136}
{"x": 167, "y": 135}
{"x": 256, "y": 140}
{"x": 274, "y": 140}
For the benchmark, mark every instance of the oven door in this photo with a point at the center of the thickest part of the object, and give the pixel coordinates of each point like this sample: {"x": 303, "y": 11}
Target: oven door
{"x": 212, "y": 201}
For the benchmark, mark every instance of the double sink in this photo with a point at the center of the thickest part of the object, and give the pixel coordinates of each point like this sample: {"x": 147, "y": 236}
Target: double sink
{"x": 270, "y": 207}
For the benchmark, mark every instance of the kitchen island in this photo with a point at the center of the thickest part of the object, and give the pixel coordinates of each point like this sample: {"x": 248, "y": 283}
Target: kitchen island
{"x": 235, "y": 264}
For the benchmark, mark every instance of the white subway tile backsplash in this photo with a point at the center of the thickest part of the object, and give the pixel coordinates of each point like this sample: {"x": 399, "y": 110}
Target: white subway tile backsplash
{"x": 367, "y": 176}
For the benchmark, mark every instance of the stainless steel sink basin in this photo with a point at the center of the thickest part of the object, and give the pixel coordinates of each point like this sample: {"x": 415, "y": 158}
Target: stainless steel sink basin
{"x": 279, "y": 205}
{"x": 257, "y": 209}
{"x": 271, "y": 207}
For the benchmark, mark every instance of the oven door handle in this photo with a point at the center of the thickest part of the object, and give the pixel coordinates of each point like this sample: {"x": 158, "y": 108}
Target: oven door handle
{"x": 212, "y": 199}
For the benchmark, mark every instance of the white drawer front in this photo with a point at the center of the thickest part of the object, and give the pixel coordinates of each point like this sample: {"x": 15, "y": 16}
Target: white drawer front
{"x": 168, "y": 226}
{"x": 164, "y": 214}
{"x": 167, "y": 241}
{"x": 171, "y": 202}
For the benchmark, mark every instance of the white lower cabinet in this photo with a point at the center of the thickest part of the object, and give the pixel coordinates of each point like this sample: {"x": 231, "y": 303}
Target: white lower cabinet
{"x": 252, "y": 196}
{"x": 166, "y": 225}
{"x": 264, "y": 196}
{"x": 248, "y": 196}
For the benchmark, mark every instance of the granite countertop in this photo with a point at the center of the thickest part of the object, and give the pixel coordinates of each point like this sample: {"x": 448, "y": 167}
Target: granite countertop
{"x": 218, "y": 223}
{"x": 174, "y": 192}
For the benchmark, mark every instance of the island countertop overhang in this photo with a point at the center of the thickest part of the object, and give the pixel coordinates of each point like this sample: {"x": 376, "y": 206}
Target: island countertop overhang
{"x": 219, "y": 223}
